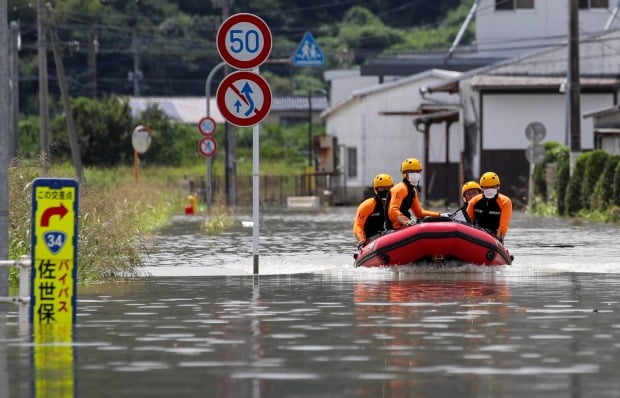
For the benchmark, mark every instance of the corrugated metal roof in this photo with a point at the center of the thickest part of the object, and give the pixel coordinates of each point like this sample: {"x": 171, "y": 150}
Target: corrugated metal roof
{"x": 498, "y": 82}
{"x": 191, "y": 109}
{"x": 298, "y": 103}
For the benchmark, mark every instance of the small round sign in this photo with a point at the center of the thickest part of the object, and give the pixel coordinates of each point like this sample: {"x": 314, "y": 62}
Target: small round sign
{"x": 206, "y": 125}
{"x": 141, "y": 139}
{"x": 207, "y": 146}
{"x": 244, "y": 41}
{"x": 535, "y": 131}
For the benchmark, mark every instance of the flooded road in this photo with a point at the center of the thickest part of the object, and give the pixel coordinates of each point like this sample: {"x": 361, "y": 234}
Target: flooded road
{"x": 311, "y": 325}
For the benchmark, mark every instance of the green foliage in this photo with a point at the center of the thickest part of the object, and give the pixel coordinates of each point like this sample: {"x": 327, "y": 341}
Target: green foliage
{"x": 572, "y": 200}
{"x": 562, "y": 177}
{"x": 594, "y": 165}
{"x": 173, "y": 144}
{"x": 540, "y": 170}
{"x": 615, "y": 200}
{"x": 28, "y": 146}
{"x": 603, "y": 190}
{"x": 102, "y": 131}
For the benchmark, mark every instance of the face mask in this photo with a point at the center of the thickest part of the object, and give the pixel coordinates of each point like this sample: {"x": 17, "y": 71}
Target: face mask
{"x": 382, "y": 194}
{"x": 414, "y": 178}
{"x": 490, "y": 193}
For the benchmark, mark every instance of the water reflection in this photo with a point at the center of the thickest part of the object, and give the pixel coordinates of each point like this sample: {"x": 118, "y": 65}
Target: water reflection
{"x": 312, "y": 325}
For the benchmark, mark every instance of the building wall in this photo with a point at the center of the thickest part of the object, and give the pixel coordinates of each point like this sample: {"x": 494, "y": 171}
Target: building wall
{"x": 505, "y": 117}
{"x": 512, "y": 31}
{"x": 384, "y": 141}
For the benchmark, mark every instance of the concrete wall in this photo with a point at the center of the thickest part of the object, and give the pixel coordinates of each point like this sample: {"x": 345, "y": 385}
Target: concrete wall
{"x": 384, "y": 141}
{"x": 510, "y": 31}
{"x": 505, "y": 117}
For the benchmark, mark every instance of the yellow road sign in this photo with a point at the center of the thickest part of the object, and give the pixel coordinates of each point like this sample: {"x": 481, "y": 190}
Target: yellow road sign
{"x": 53, "y": 284}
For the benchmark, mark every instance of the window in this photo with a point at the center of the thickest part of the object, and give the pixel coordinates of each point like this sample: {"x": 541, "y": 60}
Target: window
{"x": 352, "y": 162}
{"x": 514, "y": 4}
{"x": 586, "y": 4}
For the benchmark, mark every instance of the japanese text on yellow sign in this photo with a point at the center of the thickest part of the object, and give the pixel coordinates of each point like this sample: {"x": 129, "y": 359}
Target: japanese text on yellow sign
{"x": 54, "y": 252}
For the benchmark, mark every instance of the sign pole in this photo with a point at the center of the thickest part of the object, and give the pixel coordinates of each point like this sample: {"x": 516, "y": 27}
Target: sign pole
{"x": 255, "y": 192}
{"x": 209, "y": 176}
{"x": 244, "y": 97}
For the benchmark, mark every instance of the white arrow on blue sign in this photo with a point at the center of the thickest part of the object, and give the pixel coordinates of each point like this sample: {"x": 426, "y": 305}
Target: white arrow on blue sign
{"x": 308, "y": 52}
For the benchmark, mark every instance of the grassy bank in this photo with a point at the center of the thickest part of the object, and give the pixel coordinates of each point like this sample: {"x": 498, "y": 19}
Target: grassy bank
{"x": 116, "y": 215}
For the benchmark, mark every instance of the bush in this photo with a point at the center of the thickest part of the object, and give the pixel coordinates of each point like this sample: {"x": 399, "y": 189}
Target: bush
{"x": 615, "y": 199}
{"x": 552, "y": 149}
{"x": 594, "y": 165}
{"x": 572, "y": 198}
{"x": 562, "y": 177}
{"x": 603, "y": 190}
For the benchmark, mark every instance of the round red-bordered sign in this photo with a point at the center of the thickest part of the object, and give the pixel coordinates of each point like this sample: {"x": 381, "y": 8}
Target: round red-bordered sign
{"x": 244, "y": 98}
{"x": 244, "y": 41}
{"x": 207, "y": 146}
{"x": 207, "y": 125}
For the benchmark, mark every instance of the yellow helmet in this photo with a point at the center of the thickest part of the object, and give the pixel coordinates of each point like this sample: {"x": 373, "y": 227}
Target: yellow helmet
{"x": 411, "y": 164}
{"x": 382, "y": 180}
{"x": 489, "y": 179}
{"x": 469, "y": 185}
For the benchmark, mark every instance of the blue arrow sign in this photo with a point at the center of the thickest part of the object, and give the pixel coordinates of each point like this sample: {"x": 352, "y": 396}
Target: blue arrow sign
{"x": 308, "y": 52}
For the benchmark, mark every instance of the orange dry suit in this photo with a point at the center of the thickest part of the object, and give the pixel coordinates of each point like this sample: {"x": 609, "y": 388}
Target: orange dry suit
{"x": 491, "y": 214}
{"x": 402, "y": 198}
{"x": 370, "y": 219}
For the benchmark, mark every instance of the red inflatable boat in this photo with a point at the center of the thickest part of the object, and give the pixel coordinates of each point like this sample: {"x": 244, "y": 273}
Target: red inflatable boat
{"x": 434, "y": 239}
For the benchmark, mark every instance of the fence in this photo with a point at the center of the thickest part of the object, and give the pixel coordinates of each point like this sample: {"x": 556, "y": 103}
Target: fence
{"x": 23, "y": 299}
{"x": 274, "y": 189}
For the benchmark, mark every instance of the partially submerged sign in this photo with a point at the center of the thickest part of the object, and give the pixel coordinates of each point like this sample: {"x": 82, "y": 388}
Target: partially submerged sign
{"x": 53, "y": 283}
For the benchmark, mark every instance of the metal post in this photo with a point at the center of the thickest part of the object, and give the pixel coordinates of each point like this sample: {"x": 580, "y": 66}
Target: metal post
{"x": 209, "y": 161}
{"x": 255, "y": 191}
{"x": 43, "y": 86}
{"x": 24, "y": 288}
{"x": 310, "y": 128}
{"x": 573, "y": 83}
{"x": 4, "y": 158}
{"x": 13, "y": 115}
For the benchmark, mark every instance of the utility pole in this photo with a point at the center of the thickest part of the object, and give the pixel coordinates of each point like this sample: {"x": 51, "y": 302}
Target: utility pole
{"x": 13, "y": 115}
{"x": 43, "y": 90}
{"x": 136, "y": 75}
{"x": 230, "y": 139}
{"x": 64, "y": 93}
{"x": 4, "y": 158}
{"x": 93, "y": 46}
{"x": 574, "y": 107}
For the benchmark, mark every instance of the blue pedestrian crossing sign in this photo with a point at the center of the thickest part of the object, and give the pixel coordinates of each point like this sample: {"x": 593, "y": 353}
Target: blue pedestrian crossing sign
{"x": 308, "y": 52}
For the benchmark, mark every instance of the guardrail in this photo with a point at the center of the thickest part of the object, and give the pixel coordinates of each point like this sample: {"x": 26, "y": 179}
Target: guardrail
{"x": 23, "y": 299}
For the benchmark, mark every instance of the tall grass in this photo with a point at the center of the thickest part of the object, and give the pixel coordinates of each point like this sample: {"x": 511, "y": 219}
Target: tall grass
{"x": 116, "y": 215}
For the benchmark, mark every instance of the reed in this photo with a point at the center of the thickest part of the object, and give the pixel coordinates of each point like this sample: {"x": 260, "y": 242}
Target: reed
{"x": 116, "y": 216}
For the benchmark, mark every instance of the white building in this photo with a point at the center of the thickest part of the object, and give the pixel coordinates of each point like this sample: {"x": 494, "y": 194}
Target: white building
{"x": 493, "y": 104}
{"x": 512, "y": 27}
{"x": 499, "y": 101}
{"x": 375, "y": 133}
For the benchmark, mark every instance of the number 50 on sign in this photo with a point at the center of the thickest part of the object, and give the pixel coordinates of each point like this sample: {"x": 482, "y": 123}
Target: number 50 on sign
{"x": 244, "y": 41}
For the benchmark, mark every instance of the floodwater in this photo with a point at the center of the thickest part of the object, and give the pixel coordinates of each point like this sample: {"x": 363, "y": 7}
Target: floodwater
{"x": 310, "y": 325}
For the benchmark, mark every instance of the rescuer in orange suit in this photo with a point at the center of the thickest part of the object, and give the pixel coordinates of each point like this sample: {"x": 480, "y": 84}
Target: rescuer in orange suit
{"x": 370, "y": 216}
{"x": 403, "y": 197}
{"x": 491, "y": 210}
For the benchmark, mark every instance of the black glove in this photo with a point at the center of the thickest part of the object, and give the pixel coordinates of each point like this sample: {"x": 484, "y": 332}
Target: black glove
{"x": 361, "y": 244}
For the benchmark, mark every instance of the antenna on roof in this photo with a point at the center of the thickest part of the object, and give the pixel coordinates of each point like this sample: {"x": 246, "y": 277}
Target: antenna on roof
{"x": 459, "y": 36}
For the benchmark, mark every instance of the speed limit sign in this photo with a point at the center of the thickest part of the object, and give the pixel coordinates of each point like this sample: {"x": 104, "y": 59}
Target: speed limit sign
{"x": 244, "y": 41}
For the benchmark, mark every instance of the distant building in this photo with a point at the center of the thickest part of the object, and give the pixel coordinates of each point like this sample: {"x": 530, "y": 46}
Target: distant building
{"x": 285, "y": 110}
{"x": 512, "y": 75}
